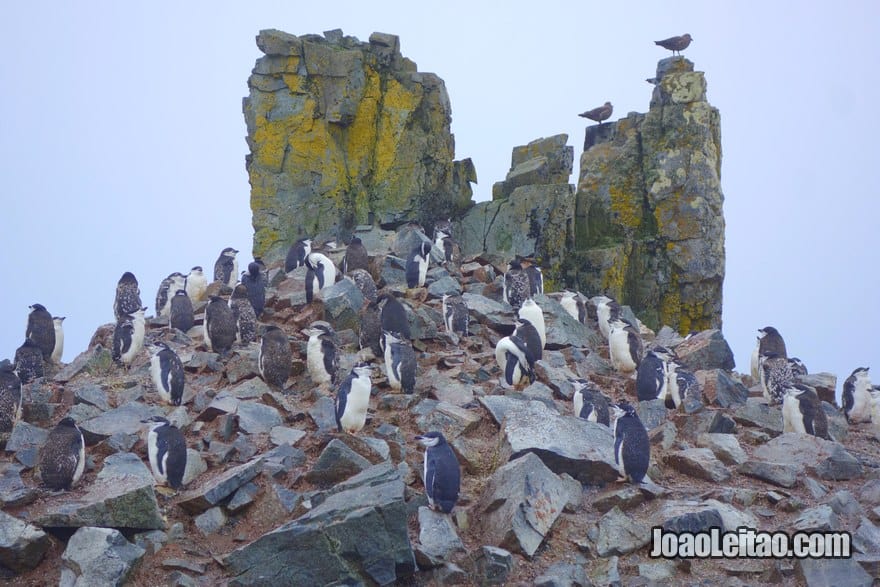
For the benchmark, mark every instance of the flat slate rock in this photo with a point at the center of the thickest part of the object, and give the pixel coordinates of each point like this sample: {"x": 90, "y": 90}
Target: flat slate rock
{"x": 805, "y": 452}
{"x": 828, "y": 571}
{"x": 700, "y": 463}
{"x": 13, "y": 491}
{"x": 124, "y": 419}
{"x": 781, "y": 474}
{"x": 620, "y": 534}
{"x": 98, "y": 556}
{"x": 216, "y": 490}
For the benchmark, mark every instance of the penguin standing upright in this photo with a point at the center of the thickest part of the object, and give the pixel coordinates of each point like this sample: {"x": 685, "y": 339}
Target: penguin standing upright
{"x": 526, "y": 332}
{"x": 41, "y": 330}
{"x": 515, "y": 284}
{"x": 589, "y": 403}
{"x": 322, "y": 354}
{"x": 275, "y": 360}
{"x": 651, "y": 375}
{"x": 394, "y": 318}
{"x": 226, "y": 267}
{"x": 128, "y": 337}
{"x": 681, "y": 384}
{"x": 62, "y": 458}
{"x": 296, "y": 255}
{"x": 441, "y": 472}
{"x": 607, "y": 311}
{"x": 196, "y": 284}
{"x": 856, "y": 396}
{"x": 181, "y": 314}
{"x": 400, "y": 362}
{"x": 58, "y": 351}
{"x": 625, "y": 347}
{"x": 417, "y": 265}
{"x": 531, "y": 311}
{"x": 574, "y": 305}
{"x": 364, "y": 282}
{"x": 455, "y": 314}
{"x": 515, "y": 360}
{"x": 632, "y": 449}
{"x": 769, "y": 341}
{"x": 356, "y": 256}
{"x": 802, "y": 412}
{"x": 321, "y": 274}
{"x": 169, "y": 286}
{"x": 219, "y": 327}
{"x": 166, "y": 450}
{"x": 10, "y": 399}
{"x": 244, "y": 315}
{"x": 166, "y": 369}
{"x": 451, "y": 250}
{"x": 128, "y": 296}
{"x": 353, "y": 399}
{"x": 254, "y": 280}
{"x": 29, "y": 361}
{"x": 535, "y": 275}
{"x": 776, "y": 375}
{"x": 370, "y": 335}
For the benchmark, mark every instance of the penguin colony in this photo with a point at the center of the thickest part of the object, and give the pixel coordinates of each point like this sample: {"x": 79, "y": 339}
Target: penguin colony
{"x": 232, "y": 321}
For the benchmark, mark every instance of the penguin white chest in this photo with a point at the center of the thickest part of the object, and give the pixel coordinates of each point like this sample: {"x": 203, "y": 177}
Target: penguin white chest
{"x": 356, "y": 404}
{"x": 578, "y": 401}
{"x": 315, "y": 361}
{"x": 603, "y": 314}
{"x": 570, "y": 306}
{"x": 80, "y": 462}
{"x": 792, "y": 419}
{"x": 619, "y": 352}
{"x": 756, "y": 362}
{"x": 159, "y": 473}
{"x": 875, "y": 414}
{"x": 393, "y": 376}
{"x": 156, "y": 374}
{"x": 862, "y": 403}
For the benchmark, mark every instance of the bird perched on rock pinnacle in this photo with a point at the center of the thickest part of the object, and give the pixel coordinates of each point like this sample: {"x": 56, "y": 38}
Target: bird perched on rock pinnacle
{"x": 675, "y": 44}
{"x": 599, "y": 114}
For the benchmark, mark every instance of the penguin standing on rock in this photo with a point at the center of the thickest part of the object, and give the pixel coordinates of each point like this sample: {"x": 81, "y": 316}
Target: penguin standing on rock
{"x": 128, "y": 296}
{"x": 574, "y": 305}
{"x": 226, "y": 267}
{"x": 128, "y": 337}
{"x": 455, "y": 314}
{"x": 196, "y": 284}
{"x": 535, "y": 275}
{"x": 10, "y": 399}
{"x": 166, "y": 369}
{"x": 62, "y": 458}
{"x": 58, "y": 351}
{"x": 364, "y": 282}
{"x": 400, "y": 362}
{"x": 526, "y": 332}
{"x": 296, "y": 255}
{"x": 254, "y": 280}
{"x": 417, "y": 265}
{"x": 321, "y": 273}
{"x": 275, "y": 359}
{"x": 41, "y": 330}
{"x": 353, "y": 399}
{"x": 802, "y": 412}
{"x": 441, "y": 472}
{"x": 181, "y": 314}
{"x": 769, "y": 341}
{"x": 651, "y": 375}
{"x": 632, "y": 449}
{"x": 393, "y": 317}
{"x": 166, "y": 449}
{"x": 589, "y": 403}
{"x": 531, "y": 311}
{"x": 219, "y": 327}
{"x": 244, "y": 315}
{"x": 681, "y": 384}
{"x": 776, "y": 376}
{"x": 515, "y": 284}
{"x": 515, "y": 360}
{"x": 856, "y": 396}
{"x": 322, "y": 354}
{"x": 169, "y": 286}
{"x": 29, "y": 361}
{"x": 607, "y": 311}
{"x": 356, "y": 256}
{"x": 451, "y": 250}
{"x": 625, "y": 347}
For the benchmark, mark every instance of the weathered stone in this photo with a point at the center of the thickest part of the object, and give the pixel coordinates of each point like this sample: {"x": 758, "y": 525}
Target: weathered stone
{"x": 694, "y": 516}
{"x": 700, "y": 463}
{"x": 820, "y": 572}
{"x": 844, "y": 503}
{"x": 624, "y": 499}
{"x": 706, "y": 350}
{"x": 563, "y": 330}
{"x": 283, "y": 435}
{"x": 342, "y": 303}
{"x": 92, "y": 395}
{"x": 724, "y": 446}
{"x": 211, "y": 521}
{"x": 126, "y": 418}
{"x": 323, "y": 414}
{"x": 722, "y": 424}
{"x": 447, "y": 418}
{"x": 838, "y": 427}
{"x": 336, "y": 462}
{"x": 444, "y": 286}
{"x": 652, "y": 413}
{"x": 13, "y": 491}
{"x": 781, "y": 474}
{"x": 25, "y": 436}
{"x": 756, "y": 413}
{"x": 494, "y": 565}
{"x": 98, "y": 556}
{"x": 606, "y": 572}
{"x": 620, "y": 534}
{"x": 563, "y": 575}
{"x": 152, "y": 541}
{"x": 827, "y": 459}
{"x": 437, "y": 534}
{"x": 866, "y": 538}
{"x": 195, "y": 466}
{"x": 219, "y": 488}
{"x": 495, "y": 315}
{"x": 825, "y": 385}
{"x": 721, "y": 389}
{"x": 257, "y": 418}
{"x": 819, "y": 518}
{"x": 22, "y": 546}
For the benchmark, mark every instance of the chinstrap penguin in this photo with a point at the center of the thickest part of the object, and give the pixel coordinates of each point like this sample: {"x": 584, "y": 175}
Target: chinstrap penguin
{"x": 400, "y": 362}
{"x": 353, "y": 399}
{"x": 58, "y": 351}
{"x": 167, "y": 373}
{"x": 244, "y": 315}
{"x": 417, "y": 265}
{"x": 166, "y": 450}
{"x": 441, "y": 472}
{"x": 632, "y": 449}
{"x": 226, "y": 267}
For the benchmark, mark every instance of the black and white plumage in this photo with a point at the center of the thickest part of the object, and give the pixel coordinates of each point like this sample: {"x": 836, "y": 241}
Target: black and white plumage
{"x": 417, "y": 265}
{"x": 607, "y": 311}
{"x": 515, "y": 360}
{"x": 445, "y": 226}
{"x": 41, "y": 330}
{"x": 802, "y": 412}
{"x": 574, "y": 305}
{"x": 128, "y": 296}
{"x": 166, "y": 370}
{"x": 370, "y": 335}
{"x": 219, "y": 327}
{"x": 321, "y": 273}
{"x": 353, "y": 399}
{"x": 515, "y": 285}
{"x": 166, "y": 450}
{"x": 681, "y": 384}
{"x": 455, "y": 314}
{"x": 128, "y": 337}
{"x": 58, "y": 351}
{"x": 798, "y": 368}
{"x": 400, "y": 362}
{"x": 364, "y": 282}
{"x": 181, "y": 314}
{"x": 535, "y": 275}
{"x": 589, "y": 402}
{"x": 226, "y": 267}
{"x": 244, "y": 315}
{"x": 526, "y": 332}
{"x": 61, "y": 459}
{"x": 275, "y": 359}
{"x": 856, "y": 396}
{"x": 625, "y": 347}
{"x": 651, "y": 380}
{"x": 776, "y": 376}
{"x": 441, "y": 472}
{"x": 450, "y": 248}
{"x": 632, "y": 449}
{"x": 322, "y": 353}
{"x": 169, "y": 286}
{"x": 769, "y": 341}
{"x": 296, "y": 255}
{"x": 29, "y": 361}
{"x": 196, "y": 284}
{"x": 255, "y": 281}
{"x": 356, "y": 256}
{"x": 394, "y": 318}
{"x": 531, "y": 311}
{"x": 10, "y": 398}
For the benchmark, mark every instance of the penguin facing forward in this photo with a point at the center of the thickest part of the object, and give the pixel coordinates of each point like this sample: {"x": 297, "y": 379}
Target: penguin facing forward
{"x": 515, "y": 284}
{"x": 590, "y": 403}
{"x": 681, "y": 384}
{"x": 169, "y": 286}
{"x": 856, "y": 396}
{"x": 450, "y": 248}
{"x": 275, "y": 359}
{"x": 296, "y": 255}
{"x": 128, "y": 296}
{"x": 322, "y": 354}
{"x": 393, "y": 317}
{"x": 128, "y": 337}
{"x": 400, "y": 362}
{"x": 455, "y": 314}
{"x": 62, "y": 458}
{"x": 41, "y": 330}
{"x": 441, "y": 472}
{"x": 531, "y": 311}
{"x": 167, "y": 373}
{"x": 417, "y": 265}
{"x": 219, "y": 327}
{"x": 29, "y": 361}
{"x": 651, "y": 380}
{"x": 244, "y": 314}
{"x": 802, "y": 412}
{"x": 535, "y": 275}
{"x": 607, "y": 311}
{"x": 166, "y": 450}
{"x": 353, "y": 399}
{"x": 196, "y": 284}
{"x": 10, "y": 399}
{"x": 226, "y": 267}
{"x": 254, "y": 280}
{"x": 775, "y": 375}
{"x": 574, "y": 305}
{"x": 321, "y": 273}
{"x": 58, "y": 351}
{"x": 632, "y": 449}
{"x": 515, "y": 360}
{"x": 625, "y": 346}
{"x": 526, "y": 331}
{"x": 181, "y": 314}
{"x": 356, "y": 256}
{"x": 769, "y": 341}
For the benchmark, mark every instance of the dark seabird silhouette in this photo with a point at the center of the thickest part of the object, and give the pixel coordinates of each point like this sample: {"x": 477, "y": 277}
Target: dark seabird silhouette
{"x": 599, "y": 114}
{"x": 675, "y": 44}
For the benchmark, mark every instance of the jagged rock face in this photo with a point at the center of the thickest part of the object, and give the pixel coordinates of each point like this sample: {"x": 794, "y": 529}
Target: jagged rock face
{"x": 649, "y": 228}
{"x": 344, "y": 133}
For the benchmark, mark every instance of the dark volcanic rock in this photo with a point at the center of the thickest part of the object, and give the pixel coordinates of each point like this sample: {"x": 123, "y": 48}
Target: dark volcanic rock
{"x": 337, "y": 462}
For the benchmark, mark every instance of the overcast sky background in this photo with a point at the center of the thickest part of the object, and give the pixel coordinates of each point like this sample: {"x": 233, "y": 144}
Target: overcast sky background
{"x": 122, "y": 139}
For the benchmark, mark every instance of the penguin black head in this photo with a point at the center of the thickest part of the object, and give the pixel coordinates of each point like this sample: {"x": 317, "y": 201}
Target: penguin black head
{"x": 624, "y": 409}
{"x": 514, "y": 265}
{"x": 159, "y": 346}
{"x": 37, "y": 308}
{"x": 67, "y": 421}
{"x": 254, "y": 269}
{"x": 355, "y": 241}
{"x": 362, "y": 368}
{"x": 59, "y": 318}
{"x": 156, "y": 420}
{"x": 229, "y": 252}
{"x": 197, "y": 268}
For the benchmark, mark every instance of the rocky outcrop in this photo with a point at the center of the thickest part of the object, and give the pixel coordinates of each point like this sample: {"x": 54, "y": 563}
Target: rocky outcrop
{"x": 345, "y": 133}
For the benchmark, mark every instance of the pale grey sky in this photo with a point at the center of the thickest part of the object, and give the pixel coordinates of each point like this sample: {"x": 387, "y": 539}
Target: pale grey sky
{"x": 122, "y": 144}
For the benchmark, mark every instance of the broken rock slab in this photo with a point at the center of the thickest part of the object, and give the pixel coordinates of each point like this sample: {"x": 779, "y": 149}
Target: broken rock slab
{"x": 22, "y": 546}
{"x": 98, "y": 556}
{"x": 216, "y": 490}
